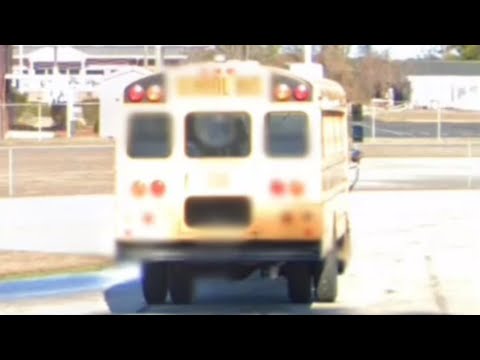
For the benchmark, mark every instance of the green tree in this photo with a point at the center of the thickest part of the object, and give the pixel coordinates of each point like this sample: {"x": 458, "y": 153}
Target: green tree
{"x": 463, "y": 52}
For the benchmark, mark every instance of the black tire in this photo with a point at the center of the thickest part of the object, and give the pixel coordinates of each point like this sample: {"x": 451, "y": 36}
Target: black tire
{"x": 154, "y": 283}
{"x": 299, "y": 282}
{"x": 346, "y": 244}
{"x": 326, "y": 284}
{"x": 181, "y": 284}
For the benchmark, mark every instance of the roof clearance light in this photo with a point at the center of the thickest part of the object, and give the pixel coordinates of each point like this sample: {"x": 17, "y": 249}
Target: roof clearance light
{"x": 136, "y": 94}
{"x": 283, "y": 92}
{"x": 155, "y": 93}
{"x": 301, "y": 93}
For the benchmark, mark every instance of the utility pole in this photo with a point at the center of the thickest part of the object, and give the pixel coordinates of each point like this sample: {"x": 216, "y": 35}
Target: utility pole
{"x": 158, "y": 56}
{"x": 55, "y": 60}
{"x": 5, "y": 68}
{"x": 308, "y": 53}
{"x": 245, "y": 52}
{"x": 145, "y": 56}
{"x": 20, "y": 58}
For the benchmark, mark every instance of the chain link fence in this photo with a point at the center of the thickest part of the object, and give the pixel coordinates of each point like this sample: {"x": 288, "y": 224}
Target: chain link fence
{"x": 41, "y": 120}
{"x": 56, "y": 170}
{"x": 404, "y": 122}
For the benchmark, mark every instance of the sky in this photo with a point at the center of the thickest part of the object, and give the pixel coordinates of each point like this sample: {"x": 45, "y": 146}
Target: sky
{"x": 404, "y": 51}
{"x": 396, "y": 51}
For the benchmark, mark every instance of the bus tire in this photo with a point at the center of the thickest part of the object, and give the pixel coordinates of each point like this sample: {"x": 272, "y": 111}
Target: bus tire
{"x": 154, "y": 283}
{"x": 326, "y": 283}
{"x": 181, "y": 284}
{"x": 299, "y": 282}
{"x": 345, "y": 249}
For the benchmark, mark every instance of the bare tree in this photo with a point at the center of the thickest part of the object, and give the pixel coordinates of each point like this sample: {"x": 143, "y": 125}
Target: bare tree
{"x": 338, "y": 66}
{"x": 365, "y": 78}
{"x": 376, "y": 74}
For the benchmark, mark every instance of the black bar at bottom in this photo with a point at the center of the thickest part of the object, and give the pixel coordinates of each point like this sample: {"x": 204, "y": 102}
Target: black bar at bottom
{"x": 246, "y": 252}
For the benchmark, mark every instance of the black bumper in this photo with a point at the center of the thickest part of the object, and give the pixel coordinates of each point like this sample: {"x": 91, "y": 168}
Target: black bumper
{"x": 245, "y": 252}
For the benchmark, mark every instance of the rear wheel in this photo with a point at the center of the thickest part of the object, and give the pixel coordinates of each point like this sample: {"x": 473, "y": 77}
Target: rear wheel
{"x": 154, "y": 283}
{"x": 181, "y": 284}
{"x": 326, "y": 280}
{"x": 299, "y": 281}
{"x": 345, "y": 249}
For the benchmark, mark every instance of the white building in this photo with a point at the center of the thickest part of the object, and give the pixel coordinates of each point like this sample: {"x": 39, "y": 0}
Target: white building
{"x": 452, "y": 84}
{"x": 37, "y": 69}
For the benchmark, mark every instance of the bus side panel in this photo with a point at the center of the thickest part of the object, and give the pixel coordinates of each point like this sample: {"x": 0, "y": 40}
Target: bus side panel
{"x": 335, "y": 174}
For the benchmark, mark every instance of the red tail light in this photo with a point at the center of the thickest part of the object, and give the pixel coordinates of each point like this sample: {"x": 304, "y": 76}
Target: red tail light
{"x": 301, "y": 93}
{"x": 277, "y": 188}
{"x": 139, "y": 189}
{"x": 158, "y": 188}
{"x": 136, "y": 94}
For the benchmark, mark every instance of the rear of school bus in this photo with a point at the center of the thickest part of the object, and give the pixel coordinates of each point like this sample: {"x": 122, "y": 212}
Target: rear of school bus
{"x": 219, "y": 172}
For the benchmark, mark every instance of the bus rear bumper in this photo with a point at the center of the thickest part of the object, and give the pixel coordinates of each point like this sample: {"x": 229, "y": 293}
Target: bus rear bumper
{"x": 227, "y": 253}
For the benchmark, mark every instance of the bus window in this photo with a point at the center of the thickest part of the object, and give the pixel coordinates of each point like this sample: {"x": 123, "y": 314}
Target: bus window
{"x": 217, "y": 135}
{"x": 150, "y": 136}
{"x": 286, "y": 134}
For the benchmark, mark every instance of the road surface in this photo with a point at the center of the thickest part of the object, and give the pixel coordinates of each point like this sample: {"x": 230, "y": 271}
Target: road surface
{"x": 415, "y": 253}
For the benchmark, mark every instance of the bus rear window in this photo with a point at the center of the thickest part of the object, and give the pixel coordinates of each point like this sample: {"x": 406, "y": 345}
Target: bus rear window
{"x": 216, "y": 135}
{"x": 286, "y": 134}
{"x": 150, "y": 136}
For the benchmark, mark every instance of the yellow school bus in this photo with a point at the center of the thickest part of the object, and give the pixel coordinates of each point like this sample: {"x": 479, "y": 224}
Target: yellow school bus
{"x": 231, "y": 168}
